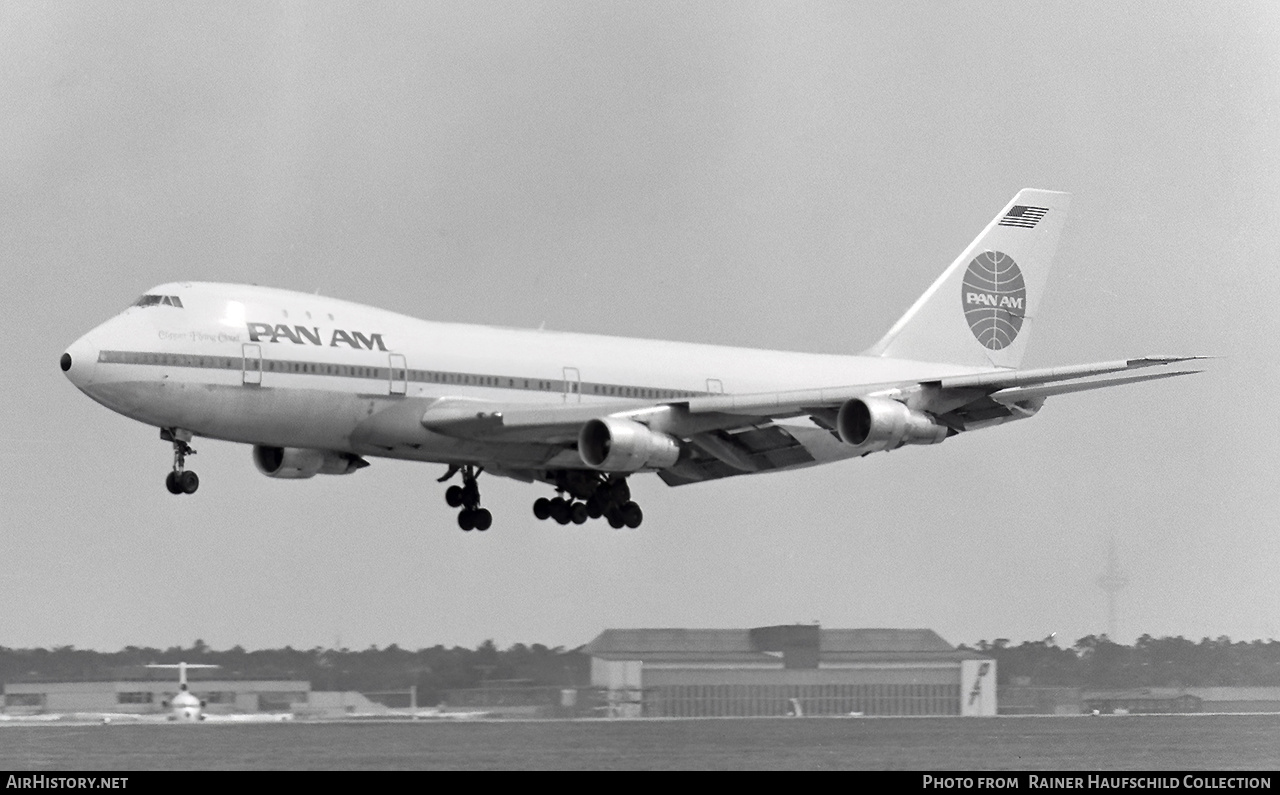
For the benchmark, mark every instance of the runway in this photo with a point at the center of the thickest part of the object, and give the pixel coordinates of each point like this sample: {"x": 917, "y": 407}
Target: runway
{"x": 1132, "y": 742}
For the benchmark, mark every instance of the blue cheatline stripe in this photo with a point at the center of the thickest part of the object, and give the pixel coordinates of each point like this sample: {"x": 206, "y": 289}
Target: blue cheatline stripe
{"x": 300, "y": 367}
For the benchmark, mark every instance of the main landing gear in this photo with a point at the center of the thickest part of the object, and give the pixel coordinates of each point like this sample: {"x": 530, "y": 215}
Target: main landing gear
{"x": 472, "y": 516}
{"x": 608, "y": 498}
{"x": 180, "y": 480}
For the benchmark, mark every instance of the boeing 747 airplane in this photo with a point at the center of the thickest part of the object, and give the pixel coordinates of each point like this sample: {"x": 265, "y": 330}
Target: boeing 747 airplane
{"x": 318, "y": 386}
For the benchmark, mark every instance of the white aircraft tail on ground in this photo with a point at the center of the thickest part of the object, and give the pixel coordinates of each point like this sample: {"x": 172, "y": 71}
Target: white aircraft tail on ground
{"x": 184, "y": 706}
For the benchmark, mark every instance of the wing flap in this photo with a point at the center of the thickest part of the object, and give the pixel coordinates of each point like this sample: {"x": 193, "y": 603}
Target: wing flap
{"x": 757, "y": 449}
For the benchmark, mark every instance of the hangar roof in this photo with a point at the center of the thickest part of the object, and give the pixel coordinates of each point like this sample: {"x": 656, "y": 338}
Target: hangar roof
{"x": 742, "y": 645}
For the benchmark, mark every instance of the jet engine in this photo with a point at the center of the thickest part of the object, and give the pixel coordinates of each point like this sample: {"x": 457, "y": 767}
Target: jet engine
{"x": 875, "y": 424}
{"x": 298, "y": 462}
{"x": 617, "y": 445}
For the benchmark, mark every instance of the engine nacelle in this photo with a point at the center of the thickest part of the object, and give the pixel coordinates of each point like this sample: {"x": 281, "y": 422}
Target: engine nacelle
{"x": 617, "y": 445}
{"x": 875, "y": 424}
{"x": 300, "y": 462}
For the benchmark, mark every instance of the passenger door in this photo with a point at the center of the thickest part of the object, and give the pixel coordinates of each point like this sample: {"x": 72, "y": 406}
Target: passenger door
{"x": 399, "y": 383}
{"x": 572, "y": 385}
{"x": 251, "y": 369}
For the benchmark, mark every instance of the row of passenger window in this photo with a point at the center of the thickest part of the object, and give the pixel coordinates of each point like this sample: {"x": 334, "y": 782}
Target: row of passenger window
{"x": 172, "y": 359}
{"x": 383, "y": 373}
{"x": 345, "y": 370}
{"x": 639, "y": 392}
{"x": 545, "y": 386}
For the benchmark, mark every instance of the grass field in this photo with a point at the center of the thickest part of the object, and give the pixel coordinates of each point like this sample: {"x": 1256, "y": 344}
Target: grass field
{"x": 1135, "y": 742}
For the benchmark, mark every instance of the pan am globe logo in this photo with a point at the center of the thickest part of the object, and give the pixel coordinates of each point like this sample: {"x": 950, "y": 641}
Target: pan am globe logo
{"x": 994, "y": 297}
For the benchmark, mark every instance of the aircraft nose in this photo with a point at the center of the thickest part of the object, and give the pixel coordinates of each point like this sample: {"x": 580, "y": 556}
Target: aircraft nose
{"x": 79, "y": 360}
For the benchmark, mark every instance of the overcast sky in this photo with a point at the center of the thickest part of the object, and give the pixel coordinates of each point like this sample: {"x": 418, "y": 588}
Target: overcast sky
{"x": 783, "y": 175}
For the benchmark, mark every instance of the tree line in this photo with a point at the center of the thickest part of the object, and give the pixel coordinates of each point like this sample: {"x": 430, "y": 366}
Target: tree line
{"x": 432, "y": 670}
{"x": 1093, "y": 662}
{"x": 1097, "y": 663}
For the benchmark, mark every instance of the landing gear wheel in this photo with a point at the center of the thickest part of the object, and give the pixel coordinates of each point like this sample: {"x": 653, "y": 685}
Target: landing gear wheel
{"x": 467, "y": 497}
{"x": 615, "y": 519}
{"x": 560, "y": 511}
{"x": 594, "y": 508}
{"x": 542, "y": 508}
{"x": 578, "y": 513}
{"x": 180, "y": 481}
{"x": 632, "y": 516}
{"x": 453, "y": 496}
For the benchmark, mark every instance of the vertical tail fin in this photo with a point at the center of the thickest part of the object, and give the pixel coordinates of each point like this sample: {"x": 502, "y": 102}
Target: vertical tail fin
{"x": 980, "y": 310}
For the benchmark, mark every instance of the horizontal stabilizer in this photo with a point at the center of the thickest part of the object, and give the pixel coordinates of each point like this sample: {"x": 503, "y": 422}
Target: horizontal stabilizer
{"x": 1043, "y": 375}
{"x": 1020, "y": 393}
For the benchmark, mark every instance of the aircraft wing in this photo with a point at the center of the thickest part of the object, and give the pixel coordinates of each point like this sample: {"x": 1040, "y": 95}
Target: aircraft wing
{"x": 526, "y": 422}
{"x": 246, "y": 717}
{"x": 85, "y": 717}
{"x": 739, "y": 433}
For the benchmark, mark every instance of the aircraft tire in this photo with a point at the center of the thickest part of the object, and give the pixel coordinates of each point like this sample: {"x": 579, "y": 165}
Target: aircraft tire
{"x": 171, "y": 483}
{"x": 615, "y": 519}
{"x": 483, "y": 519}
{"x": 466, "y": 520}
{"x": 578, "y": 513}
{"x": 190, "y": 482}
{"x": 632, "y": 516}
{"x": 453, "y": 496}
{"x": 560, "y": 511}
{"x": 470, "y": 494}
{"x": 542, "y": 508}
{"x": 594, "y": 508}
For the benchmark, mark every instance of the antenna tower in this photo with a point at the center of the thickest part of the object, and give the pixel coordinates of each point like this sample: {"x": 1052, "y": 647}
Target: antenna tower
{"x": 1113, "y": 581}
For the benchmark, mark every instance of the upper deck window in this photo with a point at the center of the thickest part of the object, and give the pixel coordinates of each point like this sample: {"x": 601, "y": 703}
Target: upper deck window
{"x": 159, "y": 300}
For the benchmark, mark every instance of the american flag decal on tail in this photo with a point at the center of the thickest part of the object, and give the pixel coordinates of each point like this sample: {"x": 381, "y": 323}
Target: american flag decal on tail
{"x": 1025, "y": 217}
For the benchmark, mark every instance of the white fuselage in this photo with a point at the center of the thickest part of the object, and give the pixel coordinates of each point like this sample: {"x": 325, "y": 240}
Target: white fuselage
{"x": 185, "y": 708}
{"x": 273, "y": 367}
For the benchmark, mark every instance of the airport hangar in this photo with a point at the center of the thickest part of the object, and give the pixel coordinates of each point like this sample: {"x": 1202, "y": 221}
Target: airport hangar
{"x": 793, "y": 669}
{"x": 142, "y": 692}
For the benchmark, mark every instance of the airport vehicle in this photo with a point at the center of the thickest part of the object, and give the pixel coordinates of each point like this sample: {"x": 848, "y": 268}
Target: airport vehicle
{"x": 319, "y": 385}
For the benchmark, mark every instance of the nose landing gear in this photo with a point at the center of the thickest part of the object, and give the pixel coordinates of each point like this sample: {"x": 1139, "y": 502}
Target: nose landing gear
{"x": 467, "y": 496}
{"x": 180, "y": 480}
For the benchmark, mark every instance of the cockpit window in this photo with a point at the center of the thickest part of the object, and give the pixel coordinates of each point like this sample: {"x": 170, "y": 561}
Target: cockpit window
{"x": 159, "y": 300}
